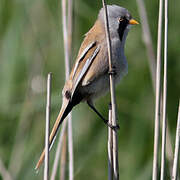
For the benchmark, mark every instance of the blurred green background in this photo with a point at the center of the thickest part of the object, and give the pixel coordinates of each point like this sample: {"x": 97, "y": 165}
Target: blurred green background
{"x": 31, "y": 45}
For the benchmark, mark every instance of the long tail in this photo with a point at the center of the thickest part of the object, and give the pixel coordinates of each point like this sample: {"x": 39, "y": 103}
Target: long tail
{"x": 65, "y": 109}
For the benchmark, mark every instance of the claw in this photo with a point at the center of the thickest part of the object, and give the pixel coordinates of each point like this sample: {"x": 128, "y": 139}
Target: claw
{"x": 112, "y": 71}
{"x": 115, "y": 128}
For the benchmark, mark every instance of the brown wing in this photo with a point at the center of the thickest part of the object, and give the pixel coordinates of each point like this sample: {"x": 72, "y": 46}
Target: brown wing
{"x": 84, "y": 68}
{"x": 98, "y": 67}
{"x": 89, "y": 63}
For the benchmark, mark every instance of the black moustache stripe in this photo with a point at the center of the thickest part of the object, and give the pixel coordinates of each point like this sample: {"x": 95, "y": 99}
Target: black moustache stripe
{"x": 122, "y": 26}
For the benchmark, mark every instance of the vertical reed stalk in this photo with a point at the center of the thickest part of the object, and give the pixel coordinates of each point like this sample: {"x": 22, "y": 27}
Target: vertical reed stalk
{"x": 70, "y": 135}
{"x": 48, "y": 111}
{"x": 66, "y": 59}
{"x": 67, "y": 35}
{"x": 158, "y": 95}
{"x": 112, "y": 91}
{"x": 70, "y": 149}
{"x": 110, "y": 147}
{"x": 115, "y": 154}
{"x": 63, "y": 158}
{"x": 164, "y": 120}
{"x": 176, "y": 151}
{"x": 58, "y": 151}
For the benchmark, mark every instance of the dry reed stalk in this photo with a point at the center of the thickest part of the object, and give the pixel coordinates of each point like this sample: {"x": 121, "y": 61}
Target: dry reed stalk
{"x": 177, "y": 146}
{"x": 67, "y": 35}
{"x": 164, "y": 120}
{"x": 70, "y": 149}
{"x": 70, "y": 134}
{"x": 58, "y": 151}
{"x": 67, "y": 65}
{"x": 158, "y": 95}
{"x": 115, "y": 154}
{"x": 63, "y": 158}
{"x": 112, "y": 91}
{"x": 110, "y": 147}
{"x": 48, "y": 111}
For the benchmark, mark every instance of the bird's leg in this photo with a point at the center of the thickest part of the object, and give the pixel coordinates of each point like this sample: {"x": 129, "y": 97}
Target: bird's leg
{"x": 104, "y": 120}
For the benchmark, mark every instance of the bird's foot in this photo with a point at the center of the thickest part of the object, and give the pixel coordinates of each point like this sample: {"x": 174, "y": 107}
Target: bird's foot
{"x": 115, "y": 128}
{"x": 112, "y": 71}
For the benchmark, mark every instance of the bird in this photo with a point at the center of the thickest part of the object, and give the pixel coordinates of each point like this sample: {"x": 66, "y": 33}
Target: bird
{"x": 89, "y": 77}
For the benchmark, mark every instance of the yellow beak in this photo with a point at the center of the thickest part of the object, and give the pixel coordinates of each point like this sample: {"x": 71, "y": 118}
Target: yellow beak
{"x": 133, "y": 22}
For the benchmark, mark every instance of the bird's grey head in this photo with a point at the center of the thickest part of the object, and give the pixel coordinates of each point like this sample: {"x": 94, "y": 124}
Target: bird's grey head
{"x": 119, "y": 20}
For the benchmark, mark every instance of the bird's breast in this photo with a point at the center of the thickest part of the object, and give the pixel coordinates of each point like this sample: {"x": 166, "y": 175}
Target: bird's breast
{"x": 119, "y": 60}
{"x": 100, "y": 85}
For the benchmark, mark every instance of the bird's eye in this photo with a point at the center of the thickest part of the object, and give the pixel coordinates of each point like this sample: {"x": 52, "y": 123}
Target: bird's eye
{"x": 120, "y": 19}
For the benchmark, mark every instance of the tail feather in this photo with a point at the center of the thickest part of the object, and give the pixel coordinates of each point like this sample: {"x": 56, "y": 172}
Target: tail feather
{"x": 65, "y": 109}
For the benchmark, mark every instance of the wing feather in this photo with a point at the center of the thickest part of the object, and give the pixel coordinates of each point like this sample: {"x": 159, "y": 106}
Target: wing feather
{"x": 84, "y": 69}
{"x": 82, "y": 57}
